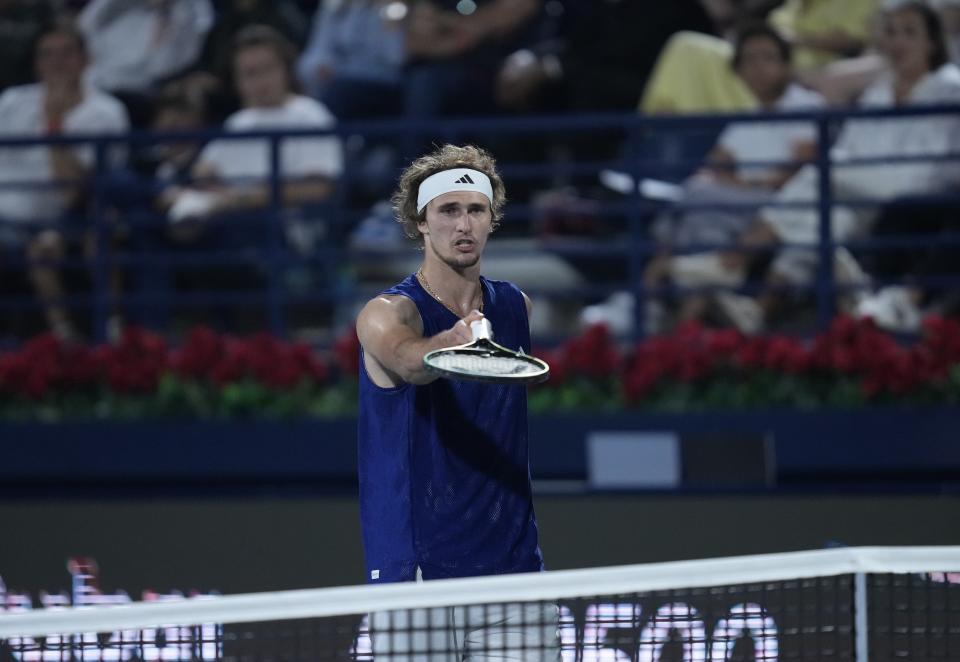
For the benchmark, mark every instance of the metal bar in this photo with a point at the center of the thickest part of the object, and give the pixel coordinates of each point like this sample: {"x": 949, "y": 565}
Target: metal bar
{"x": 101, "y": 291}
{"x": 825, "y": 293}
{"x": 860, "y": 618}
{"x": 273, "y": 224}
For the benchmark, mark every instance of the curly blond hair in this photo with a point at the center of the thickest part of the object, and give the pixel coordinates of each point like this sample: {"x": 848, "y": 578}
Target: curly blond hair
{"x": 444, "y": 158}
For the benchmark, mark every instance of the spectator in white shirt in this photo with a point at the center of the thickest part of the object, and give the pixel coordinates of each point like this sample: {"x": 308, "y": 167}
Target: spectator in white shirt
{"x": 233, "y": 174}
{"x": 919, "y": 73}
{"x": 135, "y": 45}
{"x": 39, "y": 183}
{"x": 748, "y": 164}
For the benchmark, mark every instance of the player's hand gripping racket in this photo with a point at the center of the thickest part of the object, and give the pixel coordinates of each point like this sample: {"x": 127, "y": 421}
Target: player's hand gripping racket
{"x": 485, "y": 361}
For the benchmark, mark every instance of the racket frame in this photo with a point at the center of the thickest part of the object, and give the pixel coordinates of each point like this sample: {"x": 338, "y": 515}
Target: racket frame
{"x": 482, "y": 345}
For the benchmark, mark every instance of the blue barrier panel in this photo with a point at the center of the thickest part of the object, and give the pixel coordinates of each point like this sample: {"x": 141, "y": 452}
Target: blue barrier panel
{"x": 868, "y": 445}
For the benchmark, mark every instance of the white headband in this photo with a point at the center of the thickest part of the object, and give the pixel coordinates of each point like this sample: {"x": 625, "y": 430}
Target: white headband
{"x": 455, "y": 179}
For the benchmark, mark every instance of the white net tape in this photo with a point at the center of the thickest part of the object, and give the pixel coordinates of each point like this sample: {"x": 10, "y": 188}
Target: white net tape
{"x": 935, "y": 562}
{"x": 843, "y": 605}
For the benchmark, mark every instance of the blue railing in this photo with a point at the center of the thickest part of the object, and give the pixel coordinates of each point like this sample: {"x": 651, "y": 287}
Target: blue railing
{"x": 647, "y": 147}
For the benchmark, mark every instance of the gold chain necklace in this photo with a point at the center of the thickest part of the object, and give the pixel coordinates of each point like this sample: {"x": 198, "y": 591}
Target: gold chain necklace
{"x": 423, "y": 281}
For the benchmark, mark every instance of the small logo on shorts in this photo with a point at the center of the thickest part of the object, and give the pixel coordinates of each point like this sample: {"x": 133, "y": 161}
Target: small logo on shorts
{"x": 466, "y": 179}
{"x": 374, "y": 574}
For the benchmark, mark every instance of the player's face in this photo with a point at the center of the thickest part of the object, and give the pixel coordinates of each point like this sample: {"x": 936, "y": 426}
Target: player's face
{"x": 261, "y": 77}
{"x": 456, "y": 227}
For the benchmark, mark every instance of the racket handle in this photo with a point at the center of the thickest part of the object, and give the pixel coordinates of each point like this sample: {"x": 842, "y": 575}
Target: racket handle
{"x": 481, "y": 329}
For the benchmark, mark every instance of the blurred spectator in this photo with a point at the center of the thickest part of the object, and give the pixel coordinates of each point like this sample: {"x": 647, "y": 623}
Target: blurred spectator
{"x": 598, "y": 60}
{"x": 692, "y": 73}
{"x": 823, "y": 31}
{"x": 225, "y": 209}
{"x": 232, "y": 174}
{"x": 836, "y": 43}
{"x": 919, "y": 73}
{"x": 842, "y": 81}
{"x": 762, "y": 59}
{"x": 748, "y": 164}
{"x": 170, "y": 163}
{"x": 136, "y": 45}
{"x": 21, "y": 21}
{"x": 901, "y": 308}
{"x": 213, "y": 72}
{"x": 353, "y": 61}
{"x": 589, "y": 56}
{"x": 139, "y": 193}
{"x": 455, "y": 48}
{"x": 59, "y": 104}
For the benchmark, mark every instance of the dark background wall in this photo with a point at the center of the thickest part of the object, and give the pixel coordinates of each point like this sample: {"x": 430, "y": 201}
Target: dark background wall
{"x": 266, "y": 543}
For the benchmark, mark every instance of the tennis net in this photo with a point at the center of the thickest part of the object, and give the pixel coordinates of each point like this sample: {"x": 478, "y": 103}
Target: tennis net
{"x": 863, "y": 604}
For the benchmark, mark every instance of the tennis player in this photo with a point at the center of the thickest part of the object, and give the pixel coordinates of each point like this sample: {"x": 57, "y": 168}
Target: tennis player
{"x": 444, "y": 476}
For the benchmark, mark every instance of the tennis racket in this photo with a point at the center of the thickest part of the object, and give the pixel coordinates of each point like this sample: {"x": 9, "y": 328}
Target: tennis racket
{"x": 483, "y": 360}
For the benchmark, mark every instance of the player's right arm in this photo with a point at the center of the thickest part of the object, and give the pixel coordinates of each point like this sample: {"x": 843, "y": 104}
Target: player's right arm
{"x": 391, "y": 333}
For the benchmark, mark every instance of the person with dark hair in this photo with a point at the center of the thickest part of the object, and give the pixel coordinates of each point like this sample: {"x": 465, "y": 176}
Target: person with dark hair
{"x": 233, "y": 16}
{"x": 60, "y": 103}
{"x": 447, "y": 492}
{"x": 692, "y": 72}
{"x": 748, "y": 164}
{"x": 231, "y": 175}
{"x": 919, "y": 73}
{"x": 212, "y": 75}
{"x": 762, "y": 58}
{"x": 227, "y": 205}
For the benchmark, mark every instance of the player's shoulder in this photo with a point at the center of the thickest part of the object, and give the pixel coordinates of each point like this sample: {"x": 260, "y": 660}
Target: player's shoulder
{"x": 388, "y": 303}
{"x": 385, "y": 311}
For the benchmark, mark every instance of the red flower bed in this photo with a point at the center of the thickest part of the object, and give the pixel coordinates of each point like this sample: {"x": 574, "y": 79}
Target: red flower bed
{"x": 210, "y": 374}
{"x": 851, "y": 364}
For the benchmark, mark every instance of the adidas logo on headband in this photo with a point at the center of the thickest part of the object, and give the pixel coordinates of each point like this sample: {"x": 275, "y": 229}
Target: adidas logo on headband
{"x": 466, "y": 179}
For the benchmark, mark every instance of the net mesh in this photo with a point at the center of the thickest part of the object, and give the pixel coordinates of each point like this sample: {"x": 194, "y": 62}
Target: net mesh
{"x": 822, "y": 610}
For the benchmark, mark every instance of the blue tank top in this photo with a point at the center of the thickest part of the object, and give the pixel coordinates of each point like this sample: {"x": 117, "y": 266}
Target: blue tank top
{"x": 443, "y": 467}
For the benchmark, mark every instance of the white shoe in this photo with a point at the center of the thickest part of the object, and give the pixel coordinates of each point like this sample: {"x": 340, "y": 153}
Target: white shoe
{"x": 893, "y": 309}
{"x": 703, "y": 269}
{"x": 741, "y": 311}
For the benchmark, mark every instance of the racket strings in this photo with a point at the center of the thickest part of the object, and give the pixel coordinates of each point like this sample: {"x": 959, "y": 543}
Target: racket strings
{"x": 483, "y": 364}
